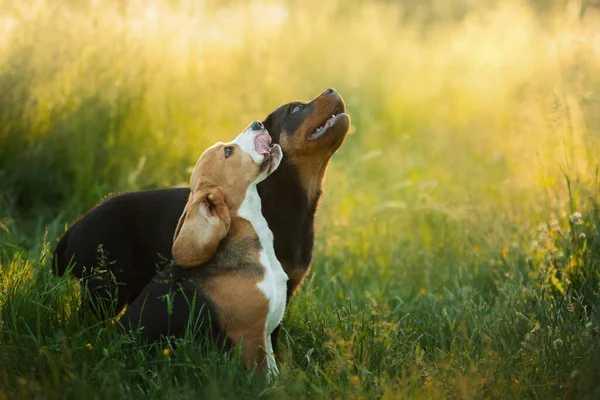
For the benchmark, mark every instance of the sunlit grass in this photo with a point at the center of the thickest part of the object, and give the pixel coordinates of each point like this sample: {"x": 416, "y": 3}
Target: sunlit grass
{"x": 449, "y": 261}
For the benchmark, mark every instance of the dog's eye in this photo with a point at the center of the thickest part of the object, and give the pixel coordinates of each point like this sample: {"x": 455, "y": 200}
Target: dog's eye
{"x": 228, "y": 151}
{"x": 296, "y": 109}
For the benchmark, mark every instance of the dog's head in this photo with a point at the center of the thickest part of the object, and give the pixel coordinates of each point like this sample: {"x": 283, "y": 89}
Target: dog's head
{"x": 309, "y": 134}
{"x": 218, "y": 187}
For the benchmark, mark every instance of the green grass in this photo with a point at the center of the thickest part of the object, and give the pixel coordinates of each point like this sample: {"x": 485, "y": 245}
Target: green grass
{"x": 450, "y": 261}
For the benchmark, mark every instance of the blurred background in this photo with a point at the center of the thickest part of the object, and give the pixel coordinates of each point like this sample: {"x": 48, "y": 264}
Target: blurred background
{"x": 471, "y": 174}
{"x": 467, "y": 114}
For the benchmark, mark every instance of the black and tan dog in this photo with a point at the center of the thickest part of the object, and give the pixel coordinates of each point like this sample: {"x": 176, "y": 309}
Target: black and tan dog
{"x": 134, "y": 231}
{"x": 225, "y": 273}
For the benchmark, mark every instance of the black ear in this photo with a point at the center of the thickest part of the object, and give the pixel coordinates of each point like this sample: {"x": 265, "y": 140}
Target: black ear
{"x": 268, "y": 123}
{"x": 276, "y": 122}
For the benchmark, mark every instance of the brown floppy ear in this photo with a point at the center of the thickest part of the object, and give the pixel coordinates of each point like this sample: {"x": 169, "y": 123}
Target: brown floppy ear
{"x": 204, "y": 223}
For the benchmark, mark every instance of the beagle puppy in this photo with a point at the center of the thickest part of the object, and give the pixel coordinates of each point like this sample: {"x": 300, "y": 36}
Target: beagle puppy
{"x": 225, "y": 271}
{"x": 120, "y": 245}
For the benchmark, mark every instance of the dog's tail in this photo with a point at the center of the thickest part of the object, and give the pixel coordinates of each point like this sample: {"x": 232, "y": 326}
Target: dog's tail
{"x": 60, "y": 262}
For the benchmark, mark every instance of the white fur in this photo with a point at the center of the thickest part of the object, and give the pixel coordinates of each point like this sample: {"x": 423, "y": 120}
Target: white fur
{"x": 274, "y": 284}
{"x": 246, "y": 142}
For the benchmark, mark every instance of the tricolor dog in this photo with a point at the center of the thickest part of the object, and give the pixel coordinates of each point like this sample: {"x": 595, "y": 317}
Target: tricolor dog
{"x": 226, "y": 271}
{"x": 118, "y": 247}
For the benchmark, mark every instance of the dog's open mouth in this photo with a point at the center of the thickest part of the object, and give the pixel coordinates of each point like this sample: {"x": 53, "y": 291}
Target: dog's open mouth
{"x": 329, "y": 123}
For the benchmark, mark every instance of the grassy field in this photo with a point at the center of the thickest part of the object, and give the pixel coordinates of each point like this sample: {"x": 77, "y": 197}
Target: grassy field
{"x": 458, "y": 242}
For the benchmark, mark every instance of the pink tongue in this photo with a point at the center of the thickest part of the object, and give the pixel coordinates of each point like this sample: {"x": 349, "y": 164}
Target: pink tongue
{"x": 262, "y": 143}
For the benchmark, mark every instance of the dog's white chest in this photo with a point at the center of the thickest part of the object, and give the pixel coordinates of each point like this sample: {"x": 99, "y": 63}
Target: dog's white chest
{"x": 274, "y": 284}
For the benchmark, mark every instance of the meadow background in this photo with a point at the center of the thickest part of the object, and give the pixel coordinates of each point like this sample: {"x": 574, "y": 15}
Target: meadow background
{"x": 458, "y": 244}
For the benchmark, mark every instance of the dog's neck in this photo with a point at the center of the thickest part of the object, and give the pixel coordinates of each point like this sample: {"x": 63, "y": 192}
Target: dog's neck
{"x": 251, "y": 210}
{"x": 291, "y": 217}
{"x": 248, "y": 234}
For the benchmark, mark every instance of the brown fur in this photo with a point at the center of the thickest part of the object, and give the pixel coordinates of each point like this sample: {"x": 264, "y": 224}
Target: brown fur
{"x": 218, "y": 187}
{"x": 311, "y": 158}
{"x": 296, "y": 276}
{"x": 242, "y": 310}
{"x": 204, "y": 223}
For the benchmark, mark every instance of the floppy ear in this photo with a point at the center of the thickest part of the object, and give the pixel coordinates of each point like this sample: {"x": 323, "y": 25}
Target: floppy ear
{"x": 204, "y": 223}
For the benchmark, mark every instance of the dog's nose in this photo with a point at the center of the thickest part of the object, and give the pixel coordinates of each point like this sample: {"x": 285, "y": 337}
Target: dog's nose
{"x": 257, "y": 125}
{"x": 329, "y": 91}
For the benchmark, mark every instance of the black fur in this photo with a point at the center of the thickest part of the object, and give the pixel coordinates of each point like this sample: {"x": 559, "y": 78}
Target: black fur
{"x": 135, "y": 230}
{"x": 121, "y": 243}
{"x": 168, "y": 306}
{"x": 285, "y": 204}
{"x": 174, "y": 299}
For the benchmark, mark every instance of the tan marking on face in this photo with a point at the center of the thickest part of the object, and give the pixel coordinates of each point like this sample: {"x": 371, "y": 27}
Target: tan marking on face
{"x": 311, "y": 167}
{"x": 218, "y": 186}
{"x": 311, "y": 157}
{"x": 234, "y": 174}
